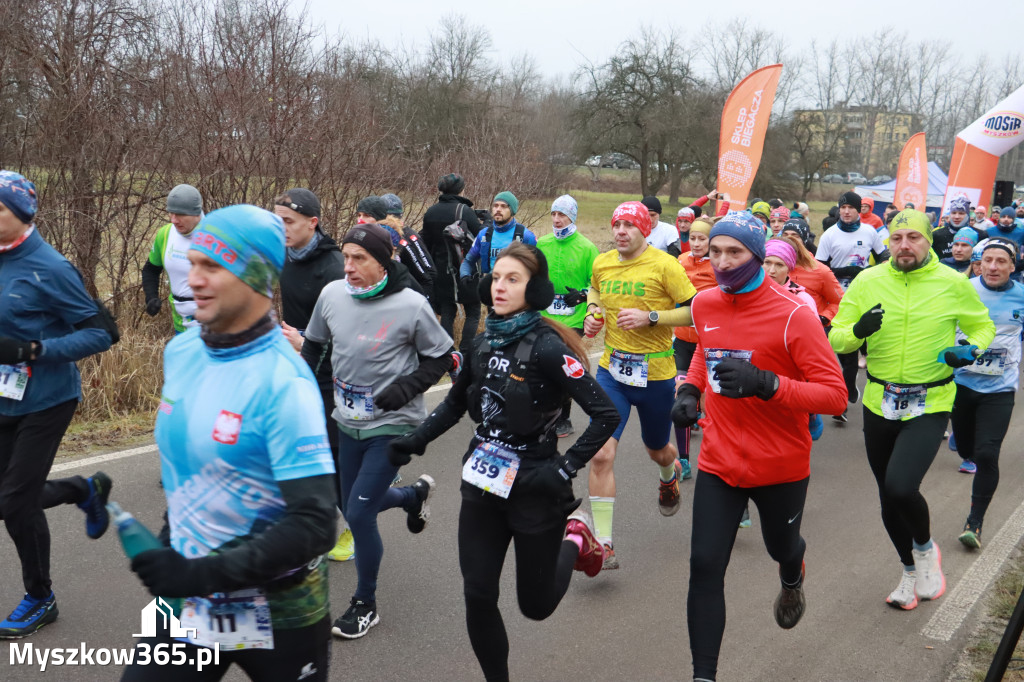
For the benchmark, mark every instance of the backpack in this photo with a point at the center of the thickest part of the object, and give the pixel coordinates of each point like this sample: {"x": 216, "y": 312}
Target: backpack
{"x": 458, "y": 237}
{"x": 517, "y": 236}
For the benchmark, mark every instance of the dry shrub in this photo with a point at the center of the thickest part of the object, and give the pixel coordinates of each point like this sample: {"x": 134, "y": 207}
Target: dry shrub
{"x": 126, "y": 379}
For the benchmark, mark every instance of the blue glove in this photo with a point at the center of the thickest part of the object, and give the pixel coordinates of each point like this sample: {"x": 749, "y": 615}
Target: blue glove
{"x": 959, "y": 356}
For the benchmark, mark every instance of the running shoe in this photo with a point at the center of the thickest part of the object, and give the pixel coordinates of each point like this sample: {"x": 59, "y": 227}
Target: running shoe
{"x": 840, "y": 418}
{"x": 29, "y": 616}
{"x": 971, "y": 537}
{"x": 97, "y": 519}
{"x": 419, "y": 512}
{"x": 668, "y": 492}
{"x": 790, "y": 604}
{"x": 905, "y": 595}
{"x": 745, "y": 519}
{"x": 968, "y": 466}
{"x": 396, "y": 480}
{"x": 952, "y": 442}
{"x": 931, "y": 583}
{"x": 357, "y": 621}
{"x": 457, "y": 362}
{"x": 862, "y": 362}
{"x": 610, "y": 562}
{"x": 687, "y": 472}
{"x": 344, "y": 548}
{"x": 563, "y": 428}
{"x": 854, "y": 400}
{"x": 590, "y": 560}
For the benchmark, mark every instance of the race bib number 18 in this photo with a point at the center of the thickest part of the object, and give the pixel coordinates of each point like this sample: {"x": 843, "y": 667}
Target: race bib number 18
{"x": 899, "y": 402}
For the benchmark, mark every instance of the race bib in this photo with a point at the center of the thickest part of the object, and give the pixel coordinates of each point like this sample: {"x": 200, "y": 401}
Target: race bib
{"x": 903, "y": 402}
{"x": 13, "y": 380}
{"x": 713, "y": 356}
{"x": 845, "y": 283}
{"x": 491, "y": 468}
{"x": 354, "y": 402}
{"x": 628, "y": 368}
{"x": 990, "y": 363}
{"x": 230, "y": 620}
{"x": 559, "y": 307}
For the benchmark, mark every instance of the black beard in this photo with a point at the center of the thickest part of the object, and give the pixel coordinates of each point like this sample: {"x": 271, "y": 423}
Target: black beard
{"x": 913, "y": 266}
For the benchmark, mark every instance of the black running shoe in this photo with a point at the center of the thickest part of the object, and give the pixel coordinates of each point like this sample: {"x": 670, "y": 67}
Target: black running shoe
{"x": 419, "y": 512}
{"x": 790, "y": 604}
{"x": 97, "y": 520}
{"x": 357, "y": 621}
{"x": 840, "y": 418}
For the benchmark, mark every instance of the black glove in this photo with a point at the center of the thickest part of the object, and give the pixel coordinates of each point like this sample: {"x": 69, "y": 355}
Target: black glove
{"x": 166, "y": 573}
{"x": 686, "y": 409}
{"x": 153, "y": 306}
{"x": 574, "y": 297}
{"x": 825, "y": 322}
{"x": 741, "y": 379}
{"x": 869, "y": 323}
{"x": 960, "y": 355}
{"x": 394, "y": 396}
{"x": 549, "y": 479}
{"x": 13, "y": 351}
{"x": 848, "y": 272}
{"x": 401, "y": 449}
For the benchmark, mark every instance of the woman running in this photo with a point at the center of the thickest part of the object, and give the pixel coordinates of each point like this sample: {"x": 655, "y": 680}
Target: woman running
{"x": 814, "y": 276}
{"x": 515, "y": 485}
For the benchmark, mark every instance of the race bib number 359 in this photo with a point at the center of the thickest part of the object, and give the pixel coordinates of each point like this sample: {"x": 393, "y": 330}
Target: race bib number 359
{"x": 491, "y": 468}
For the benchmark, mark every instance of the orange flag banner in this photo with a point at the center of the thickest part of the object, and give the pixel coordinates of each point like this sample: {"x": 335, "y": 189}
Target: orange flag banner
{"x": 912, "y": 176}
{"x": 744, "y": 123}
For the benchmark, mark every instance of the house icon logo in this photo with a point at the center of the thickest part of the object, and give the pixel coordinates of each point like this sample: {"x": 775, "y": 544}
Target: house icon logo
{"x": 159, "y": 609}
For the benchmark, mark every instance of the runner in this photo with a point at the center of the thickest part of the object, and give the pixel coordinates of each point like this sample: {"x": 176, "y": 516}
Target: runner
{"x": 1008, "y": 228}
{"x": 964, "y": 242}
{"x": 570, "y": 256}
{"x": 388, "y": 348}
{"x": 981, "y": 220}
{"x": 638, "y": 291}
{"x": 814, "y": 276}
{"x": 766, "y": 367}
{"x": 684, "y": 219}
{"x": 490, "y": 241}
{"x": 985, "y": 390}
{"x": 959, "y": 218}
{"x": 515, "y": 485}
{"x": 777, "y": 219}
{"x": 185, "y": 208}
{"x": 663, "y": 236}
{"x": 44, "y": 298}
{"x": 907, "y": 312}
{"x": 846, "y": 248}
{"x": 409, "y": 247}
{"x": 312, "y": 260}
{"x": 246, "y": 468}
{"x": 868, "y": 217}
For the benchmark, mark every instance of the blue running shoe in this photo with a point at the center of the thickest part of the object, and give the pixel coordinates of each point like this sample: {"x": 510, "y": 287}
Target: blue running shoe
{"x": 687, "y": 472}
{"x": 816, "y": 426}
{"x": 30, "y": 615}
{"x": 952, "y": 442}
{"x": 95, "y": 506}
{"x": 968, "y": 467}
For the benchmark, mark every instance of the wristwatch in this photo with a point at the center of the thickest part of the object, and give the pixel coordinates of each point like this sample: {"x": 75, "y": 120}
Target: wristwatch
{"x": 653, "y": 317}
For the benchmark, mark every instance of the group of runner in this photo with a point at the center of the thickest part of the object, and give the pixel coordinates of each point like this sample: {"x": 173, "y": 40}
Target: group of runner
{"x": 268, "y": 428}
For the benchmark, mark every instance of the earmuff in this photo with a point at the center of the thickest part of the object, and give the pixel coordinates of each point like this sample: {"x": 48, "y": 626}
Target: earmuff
{"x": 540, "y": 292}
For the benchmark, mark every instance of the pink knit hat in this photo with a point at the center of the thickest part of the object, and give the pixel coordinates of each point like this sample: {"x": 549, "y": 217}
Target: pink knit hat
{"x": 782, "y": 250}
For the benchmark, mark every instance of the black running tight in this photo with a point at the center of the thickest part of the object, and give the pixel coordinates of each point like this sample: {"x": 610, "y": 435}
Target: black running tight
{"x": 980, "y": 421}
{"x": 717, "y": 508}
{"x": 899, "y": 454}
{"x": 544, "y": 564}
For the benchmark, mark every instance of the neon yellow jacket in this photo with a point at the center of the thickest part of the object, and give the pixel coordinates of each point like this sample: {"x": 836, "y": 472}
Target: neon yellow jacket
{"x": 922, "y": 311}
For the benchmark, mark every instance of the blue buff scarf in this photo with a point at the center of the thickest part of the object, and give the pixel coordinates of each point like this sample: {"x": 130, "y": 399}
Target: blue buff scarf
{"x": 501, "y": 331}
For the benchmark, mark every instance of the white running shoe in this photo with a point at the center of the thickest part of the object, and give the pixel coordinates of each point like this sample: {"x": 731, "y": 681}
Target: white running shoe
{"x": 931, "y": 583}
{"x": 905, "y": 595}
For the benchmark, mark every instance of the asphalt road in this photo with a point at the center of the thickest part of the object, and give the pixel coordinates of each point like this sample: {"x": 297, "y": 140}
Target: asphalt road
{"x": 628, "y": 624}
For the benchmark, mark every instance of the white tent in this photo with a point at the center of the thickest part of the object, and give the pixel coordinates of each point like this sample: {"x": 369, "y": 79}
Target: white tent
{"x": 884, "y": 193}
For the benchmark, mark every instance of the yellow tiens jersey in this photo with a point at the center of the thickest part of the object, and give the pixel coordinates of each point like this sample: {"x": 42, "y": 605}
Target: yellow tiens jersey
{"x": 653, "y": 280}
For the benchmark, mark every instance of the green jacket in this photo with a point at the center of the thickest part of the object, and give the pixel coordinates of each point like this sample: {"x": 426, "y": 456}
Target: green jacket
{"x": 570, "y": 264}
{"x": 922, "y": 311}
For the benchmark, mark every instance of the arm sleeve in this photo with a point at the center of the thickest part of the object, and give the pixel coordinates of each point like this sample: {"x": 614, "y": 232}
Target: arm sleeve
{"x": 723, "y": 209}
{"x": 677, "y": 317}
{"x": 700, "y": 201}
{"x": 821, "y": 390}
{"x": 553, "y": 357}
{"x": 151, "y": 280}
{"x": 70, "y": 301}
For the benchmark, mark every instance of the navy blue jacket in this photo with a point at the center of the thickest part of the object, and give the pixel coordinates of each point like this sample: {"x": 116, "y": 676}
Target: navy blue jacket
{"x": 42, "y": 298}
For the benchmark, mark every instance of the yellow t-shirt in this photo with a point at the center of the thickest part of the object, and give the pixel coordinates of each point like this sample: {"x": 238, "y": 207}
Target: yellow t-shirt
{"x": 653, "y": 280}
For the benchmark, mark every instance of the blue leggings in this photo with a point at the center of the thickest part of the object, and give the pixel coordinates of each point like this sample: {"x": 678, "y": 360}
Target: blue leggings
{"x": 653, "y": 407}
{"x": 366, "y": 491}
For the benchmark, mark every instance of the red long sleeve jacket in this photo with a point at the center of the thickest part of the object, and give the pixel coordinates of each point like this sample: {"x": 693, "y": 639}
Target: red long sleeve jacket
{"x": 749, "y": 442}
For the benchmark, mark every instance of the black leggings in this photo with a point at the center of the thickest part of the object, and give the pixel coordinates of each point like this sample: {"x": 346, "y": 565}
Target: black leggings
{"x": 980, "y": 421}
{"x": 544, "y": 564}
{"x": 717, "y": 509}
{"x": 848, "y": 363}
{"x": 684, "y": 351}
{"x": 899, "y": 454}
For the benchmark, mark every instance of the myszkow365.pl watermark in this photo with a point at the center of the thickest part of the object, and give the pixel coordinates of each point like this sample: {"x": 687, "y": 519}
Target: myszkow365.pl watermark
{"x": 165, "y": 653}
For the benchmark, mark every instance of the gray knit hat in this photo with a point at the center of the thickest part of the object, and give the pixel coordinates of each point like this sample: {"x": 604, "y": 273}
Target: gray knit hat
{"x": 373, "y": 205}
{"x": 185, "y": 200}
{"x": 395, "y": 206}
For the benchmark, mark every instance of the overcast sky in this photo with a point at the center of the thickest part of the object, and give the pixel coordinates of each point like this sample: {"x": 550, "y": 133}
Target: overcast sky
{"x": 561, "y": 34}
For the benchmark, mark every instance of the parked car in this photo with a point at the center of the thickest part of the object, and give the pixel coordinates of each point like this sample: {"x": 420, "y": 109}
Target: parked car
{"x": 593, "y": 161}
{"x": 617, "y": 160}
{"x": 879, "y": 179}
{"x": 854, "y": 179}
{"x": 834, "y": 179}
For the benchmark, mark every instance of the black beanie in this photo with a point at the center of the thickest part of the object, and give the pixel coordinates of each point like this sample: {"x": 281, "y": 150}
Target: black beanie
{"x": 374, "y": 238}
{"x": 851, "y": 198}
{"x": 302, "y": 201}
{"x": 652, "y": 204}
{"x": 451, "y": 184}
{"x": 697, "y": 211}
{"x": 374, "y": 206}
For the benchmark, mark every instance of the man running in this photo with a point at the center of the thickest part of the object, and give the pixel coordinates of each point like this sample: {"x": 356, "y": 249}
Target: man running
{"x": 388, "y": 348}
{"x": 492, "y": 239}
{"x": 907, "y": 311}
{"x": 185, "y": 208}
{"x": 663, "y": 236}
{"x": 570, "y": 257}
{"x": 764, "y": 366}
{"x": 846, "y": 248}
{"x": 47, "y": 323}
{"x": 638, "y": 290}
{"x": 985, "y": 389}
{"x": 246, "y": 468}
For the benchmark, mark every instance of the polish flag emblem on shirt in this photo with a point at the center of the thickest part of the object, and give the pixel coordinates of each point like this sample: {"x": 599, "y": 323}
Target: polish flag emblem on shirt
{"x": 227, "y": 427}
{"x": 573, "y": 368}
